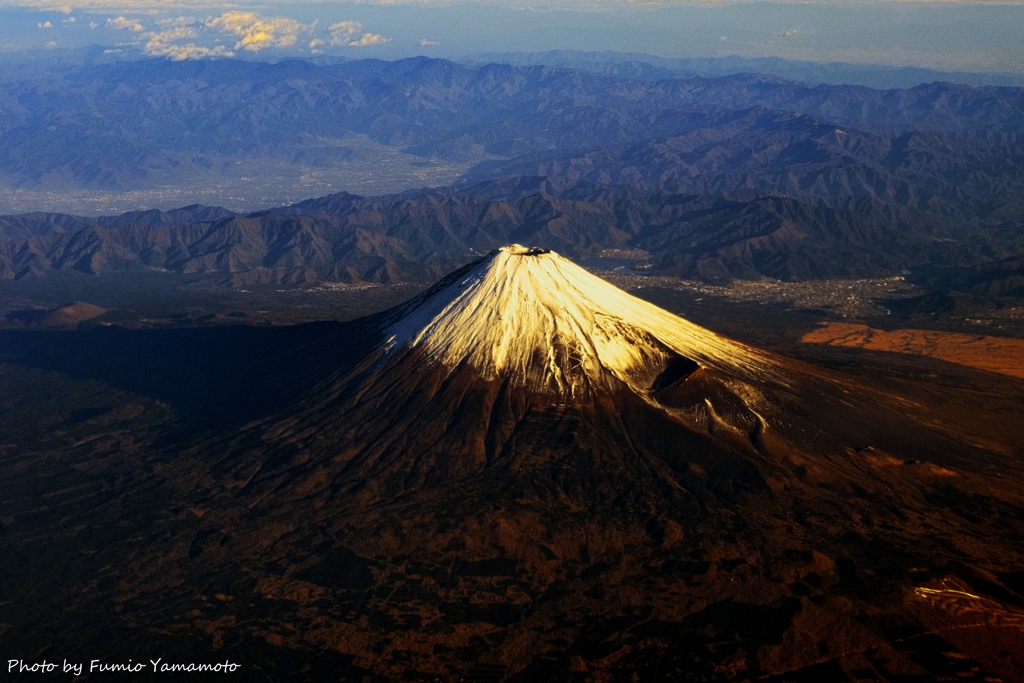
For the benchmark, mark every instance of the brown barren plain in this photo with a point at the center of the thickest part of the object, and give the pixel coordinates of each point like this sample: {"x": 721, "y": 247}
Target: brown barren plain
{"x": 996, "y": 354}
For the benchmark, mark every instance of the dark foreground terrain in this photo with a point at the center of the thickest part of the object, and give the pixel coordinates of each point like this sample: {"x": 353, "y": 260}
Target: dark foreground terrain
{"x": 117, "y": 545}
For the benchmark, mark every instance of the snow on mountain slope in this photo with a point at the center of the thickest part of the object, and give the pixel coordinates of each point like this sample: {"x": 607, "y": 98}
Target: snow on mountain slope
{"x": 537, "y": 319}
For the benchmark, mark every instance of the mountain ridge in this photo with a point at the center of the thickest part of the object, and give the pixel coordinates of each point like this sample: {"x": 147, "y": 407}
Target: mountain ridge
{"x": 418, "y": 236}
{"x": 652, "y": 67}
{"x": 98, "y": 127}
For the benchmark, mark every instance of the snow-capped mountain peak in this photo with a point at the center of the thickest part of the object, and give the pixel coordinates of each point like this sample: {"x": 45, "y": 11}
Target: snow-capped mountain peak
{"x": 537, "y": 319}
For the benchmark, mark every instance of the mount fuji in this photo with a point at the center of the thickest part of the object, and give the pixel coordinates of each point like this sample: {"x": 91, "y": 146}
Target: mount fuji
{"x": 523, "y": 357}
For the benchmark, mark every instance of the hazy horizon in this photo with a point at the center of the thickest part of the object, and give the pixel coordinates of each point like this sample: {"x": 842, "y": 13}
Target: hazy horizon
{"x": 942, "y": 36}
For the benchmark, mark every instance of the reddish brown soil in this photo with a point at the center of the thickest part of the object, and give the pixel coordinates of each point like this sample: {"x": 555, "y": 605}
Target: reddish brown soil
{"x": 995, "y": 354}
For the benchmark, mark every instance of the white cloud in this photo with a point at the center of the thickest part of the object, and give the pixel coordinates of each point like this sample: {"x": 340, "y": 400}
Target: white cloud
{"x": 429, "y": 43}
{"x": 94, "y": 25}
{"x": 343, "y": 34}
{"x": 125, "y": 24}
{"x": 165, "y": 43}
{"x": 172, "y": 22}
{"x": 368, "y": 39}
{"x": 51, "y": 44}
{"x": 69, "y": 20}
{"x": 119, "y": 6}
{"x": 780, "y": 36}
{"x": 189, "y": 51}
{"x": 170, "y": 35}
{"x": 256, "y": 32}
{"x": 346, "y": 27}
{"x": 44, "y": 24}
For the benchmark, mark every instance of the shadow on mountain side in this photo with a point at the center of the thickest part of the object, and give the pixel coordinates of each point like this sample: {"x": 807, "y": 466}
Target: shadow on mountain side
{"x": 211, "y": 377}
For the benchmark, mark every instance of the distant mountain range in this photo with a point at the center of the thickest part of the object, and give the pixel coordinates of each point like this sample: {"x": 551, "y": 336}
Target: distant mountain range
{"x": 740, "y": 176}
{"x": 650, "y": 67}
{"x": 137, "y": 124}
{"x": 417, "y": 236}
{"x": 969, "y": 173}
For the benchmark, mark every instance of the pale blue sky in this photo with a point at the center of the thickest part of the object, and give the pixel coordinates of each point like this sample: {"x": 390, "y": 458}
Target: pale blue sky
{"x": 947, "y": 36}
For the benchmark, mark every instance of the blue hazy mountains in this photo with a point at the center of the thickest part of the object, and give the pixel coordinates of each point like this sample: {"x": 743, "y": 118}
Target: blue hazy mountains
{"x": 715, "y": 178}
{"x": 130, "y": 125}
